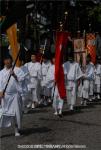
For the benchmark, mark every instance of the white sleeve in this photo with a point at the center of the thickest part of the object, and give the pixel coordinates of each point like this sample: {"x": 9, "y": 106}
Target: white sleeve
{"x": 50, "y": 78}
{"x": 79, "y": 73}
{"x": 1, "y": 86}
{"x": 64, "y": 68}
{"x": 39, "y": 72}
{"x": 91, "y": 73}
{"x": 100, "y": 70}
{"x": 25, "y": 70}
{"x": 20, "y": 74}
{"x": 26, "y": 64}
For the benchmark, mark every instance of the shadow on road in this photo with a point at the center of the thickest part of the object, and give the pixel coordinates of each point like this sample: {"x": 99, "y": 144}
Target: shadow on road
{"x": 7, "y": 135}
{"x": 37, "y": 111}
{"x": 29, "y": 131}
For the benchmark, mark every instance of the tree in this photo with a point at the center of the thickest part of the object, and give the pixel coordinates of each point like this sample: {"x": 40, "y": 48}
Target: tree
{"x": 94, "y": 15}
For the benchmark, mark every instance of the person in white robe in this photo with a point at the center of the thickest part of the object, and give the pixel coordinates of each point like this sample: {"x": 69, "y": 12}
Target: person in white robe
{"x": 50, "y": 83}
{"x": 87, "y": 90}
{"x": 34, "y": 69}
{"x": 97, "y": 81}
{"x": 11, "y": 101}
{"x": 73, "y": 74}
{"x": 46, "y": 92}
{"x": 25, "y": 92}
{"x": 100, "y": 76}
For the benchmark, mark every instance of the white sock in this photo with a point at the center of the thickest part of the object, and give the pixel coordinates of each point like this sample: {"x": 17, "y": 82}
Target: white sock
{"x": 71, "y": 107}
{"x": 56, "y": 112}
{"x": 60, "y": 111}
{"x": 98, "y": 96}
{"x": 17, "y": 132}
{"x": 82, "y": 102}
{"x": 33, "y": 105}
{"x": 85, "y": 102}
{"x": 29, "y": 105}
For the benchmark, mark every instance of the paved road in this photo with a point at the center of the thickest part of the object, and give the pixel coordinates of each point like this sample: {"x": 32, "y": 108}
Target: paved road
{"x": 40, "y": 126}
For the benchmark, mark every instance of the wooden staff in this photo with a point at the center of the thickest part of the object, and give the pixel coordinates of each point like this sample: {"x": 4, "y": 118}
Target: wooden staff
{"x": 43, "y": 50}
{"x": 13, "y": 68}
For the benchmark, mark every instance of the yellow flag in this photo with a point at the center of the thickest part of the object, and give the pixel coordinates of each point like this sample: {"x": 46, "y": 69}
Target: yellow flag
{"x": 12, "y": 37}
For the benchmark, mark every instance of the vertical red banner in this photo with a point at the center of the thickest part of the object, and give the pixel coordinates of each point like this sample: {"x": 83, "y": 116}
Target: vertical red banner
{"x": 91, "y": 48}
{"x": 61, "y": 42}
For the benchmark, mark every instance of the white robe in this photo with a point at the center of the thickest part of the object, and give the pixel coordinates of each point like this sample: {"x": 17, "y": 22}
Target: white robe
{"x": 50, "y": 83}
{"x": 88, "y": 83}
{"x": 97, "y": 81}
{"x": 35, "y": 77}
{"x": 12, "y": 102}
{"x": 44, "y": 68}
{"x": 72, "y": 73}
{"x": 25, "y": 92}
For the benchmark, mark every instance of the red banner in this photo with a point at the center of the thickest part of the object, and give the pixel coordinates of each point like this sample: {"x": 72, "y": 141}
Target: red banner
{"x": 91, "y": 46}
{"x": 61, "y": 41}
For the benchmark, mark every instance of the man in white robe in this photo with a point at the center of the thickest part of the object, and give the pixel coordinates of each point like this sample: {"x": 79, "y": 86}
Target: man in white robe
{"x": 72, "y": 73}
{"x": 87, "y": 90}
{"x": 11, "y": 101}
{"x": 97, "y": 81}
{"x": 46, "y": 92}
{"x": 50, "y": 83}
{"x": 34, "y": 69}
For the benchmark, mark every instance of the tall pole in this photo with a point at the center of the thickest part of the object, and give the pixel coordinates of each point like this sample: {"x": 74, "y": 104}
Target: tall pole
{"x": 78, "y": 23}
{"x": 65, "y": 20}
{"x": 12, "y": 70}
{"x": 35, "y": 27}
{"x": 90, "y": 28}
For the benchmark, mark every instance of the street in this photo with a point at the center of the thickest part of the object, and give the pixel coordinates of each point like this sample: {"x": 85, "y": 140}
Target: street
{"x": 40, "y": 126}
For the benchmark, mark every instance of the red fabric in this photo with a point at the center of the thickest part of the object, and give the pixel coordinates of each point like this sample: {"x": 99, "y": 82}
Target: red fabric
{"x": 61, "y": 41}
{"x": 92, "y": 53}
{"x": 38, "y": 57}
{"x": 91, "y": 46}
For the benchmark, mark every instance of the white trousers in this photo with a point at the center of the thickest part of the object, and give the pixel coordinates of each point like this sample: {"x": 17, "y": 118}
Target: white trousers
{"x": 57, "y": 101}
{"x": 71, "y": 98}
{"x": 71, "y": 92}
{"x": 97, "y": 84}
{"x": 34, "y": 95}
{"x": 87, "y": 89}
{"x": 11, "y": 110}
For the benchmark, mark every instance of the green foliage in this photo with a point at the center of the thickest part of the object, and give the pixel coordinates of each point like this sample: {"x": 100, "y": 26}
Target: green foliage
{"x": 4, "y": 40}
{"x": 95, "y": 13}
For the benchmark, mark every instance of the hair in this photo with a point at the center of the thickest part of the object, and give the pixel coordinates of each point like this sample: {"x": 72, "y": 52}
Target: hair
{"x": 33, "y": 53}
{"x": 89, "y": 56}
{"x": 8, "y": 57}
{"x": 52, "y": 55}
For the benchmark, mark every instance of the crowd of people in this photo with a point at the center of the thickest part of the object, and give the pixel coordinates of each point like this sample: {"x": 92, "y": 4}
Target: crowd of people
{"x": 33, "y": 84}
